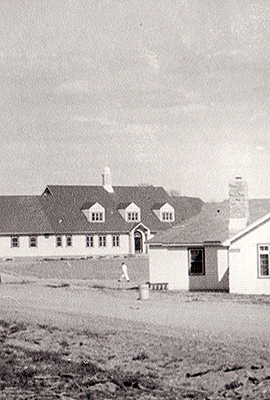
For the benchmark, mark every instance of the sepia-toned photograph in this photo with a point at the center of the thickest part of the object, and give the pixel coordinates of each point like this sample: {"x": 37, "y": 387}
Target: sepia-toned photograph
{"x": 135, "y": 199}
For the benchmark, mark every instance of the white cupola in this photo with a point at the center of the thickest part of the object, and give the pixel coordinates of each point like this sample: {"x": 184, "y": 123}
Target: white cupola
{"x": 107, "y": 180}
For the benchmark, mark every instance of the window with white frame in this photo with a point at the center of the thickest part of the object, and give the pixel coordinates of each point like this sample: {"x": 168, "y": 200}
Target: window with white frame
{"x": 102, "y": 241}
{"x": 69, "y": 241}
{"x": 89, "y": 241}
{"x": 15, "y": 241}
{"x": 263, "y": 258}
{"x": 58, "y": 241}
{"x": 165, "y": 213}
{"x": 196, "y": 261}
{"x": 32, "y": 241}
{"x": 167, "y": 216}
{"x": 97, "y": 217}
{"x": 133, "y": 216}
{"x": 115, "y": 241}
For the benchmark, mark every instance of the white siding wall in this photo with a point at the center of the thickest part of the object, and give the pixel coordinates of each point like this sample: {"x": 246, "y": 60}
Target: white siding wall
{"x": 223, "y": 267}
{"x": 216, "y": 271}
{"x": 47, "y": 247}
{"x": 243, "y": 263}
{"x": 169, "y": 265}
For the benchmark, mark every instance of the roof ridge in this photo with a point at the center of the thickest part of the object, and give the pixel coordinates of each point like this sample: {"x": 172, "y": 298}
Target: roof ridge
{"x": 114, "y": 186}
{"x": 24, "y": 196}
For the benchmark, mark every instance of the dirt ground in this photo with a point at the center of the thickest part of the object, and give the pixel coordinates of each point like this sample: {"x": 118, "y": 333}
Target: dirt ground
{"x": 70, "y": 330}
{"x": 76, "y": 340}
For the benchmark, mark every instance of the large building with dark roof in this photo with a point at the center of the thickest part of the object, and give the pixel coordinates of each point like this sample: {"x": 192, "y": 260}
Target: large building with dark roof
{"x": 68, "y": 221}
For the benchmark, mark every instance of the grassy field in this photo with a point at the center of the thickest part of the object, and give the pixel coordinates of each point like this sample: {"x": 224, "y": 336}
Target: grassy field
{"x": 81, "y": 342}
{"x": 106, "y": 271}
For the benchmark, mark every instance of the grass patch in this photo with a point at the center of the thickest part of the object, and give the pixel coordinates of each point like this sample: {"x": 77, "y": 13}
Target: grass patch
{"x": 141, "y": 356}
{"x": 55, "y": 286}
{"x": 97, "y": 286}
{"x": 87, "y": 268}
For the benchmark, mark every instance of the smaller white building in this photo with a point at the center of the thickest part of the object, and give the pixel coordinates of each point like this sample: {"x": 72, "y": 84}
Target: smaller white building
{"x": 226, "y": 247}
{"x": 249, "y": 258}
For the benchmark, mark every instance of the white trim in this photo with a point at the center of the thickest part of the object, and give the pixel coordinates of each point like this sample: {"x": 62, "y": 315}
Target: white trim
{"x": 247, "y": 229}
{"x": 138, "y": 225}
{"x": 187, "y": 244}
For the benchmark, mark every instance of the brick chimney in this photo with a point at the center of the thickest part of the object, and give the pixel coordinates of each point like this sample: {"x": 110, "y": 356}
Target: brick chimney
{"x": 239, "y": 205}
{"x": 107, "y": 180}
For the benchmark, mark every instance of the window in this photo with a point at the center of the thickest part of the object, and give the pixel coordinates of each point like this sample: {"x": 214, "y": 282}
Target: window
{"x": 97, "y": 216}
{"x": 15, "y": 242}
{"x": 167, "y": 216}
{"x": 102, "y": 241}
{"x": 69, "y": 240}
{"x": 58, "y": 241}
{"x": 264, "y": 260}
{"x": 32, "y": 241}
{"x": 196, "y": 261}
{"x": 115, "y": 241}
{"x": 133, "y": 216}
{"x": 89, "y": 241}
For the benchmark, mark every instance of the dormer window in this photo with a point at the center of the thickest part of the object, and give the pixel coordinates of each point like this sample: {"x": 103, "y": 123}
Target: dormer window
{"x": 133, "y": 216}
{"x": 164, "y": 212}
{"x": 167, "y": 216}
{"x": 94, "y": 212}
{"x": 97, "y": 216}
{"x": 130, "y": 212}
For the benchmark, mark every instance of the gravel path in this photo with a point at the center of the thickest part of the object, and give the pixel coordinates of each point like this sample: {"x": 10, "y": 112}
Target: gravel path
{"x": 76, "y": 305}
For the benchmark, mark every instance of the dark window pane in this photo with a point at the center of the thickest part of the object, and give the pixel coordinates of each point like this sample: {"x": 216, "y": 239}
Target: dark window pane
{"x": 196, "y": 261}
{"x": 264, "y": 265}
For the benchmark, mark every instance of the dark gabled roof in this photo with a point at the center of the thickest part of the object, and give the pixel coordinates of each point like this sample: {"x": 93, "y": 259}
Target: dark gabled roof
{"x": 88, "y": 205}
{"x": 258, "y": 208}
{"x": 157, "y": 206}
{"x": 22, "y": 214}
{"x": 186, "y": 206}
{"x": 67, "y": 202}
{"x": 211, "y": 225}
{"x": 123, "y": 206}
{"x": 59, "y": 210}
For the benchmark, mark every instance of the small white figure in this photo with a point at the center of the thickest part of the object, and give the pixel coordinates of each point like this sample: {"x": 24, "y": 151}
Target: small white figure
{"x": 124, "y": 273}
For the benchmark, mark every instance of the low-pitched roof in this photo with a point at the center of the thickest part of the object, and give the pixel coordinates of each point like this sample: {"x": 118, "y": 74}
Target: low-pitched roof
{"x": 211, "y": 225}
{"x": 59, "y": 210}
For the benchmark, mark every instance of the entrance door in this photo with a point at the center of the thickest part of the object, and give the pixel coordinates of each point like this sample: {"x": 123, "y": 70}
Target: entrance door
{"x": 138, "y": 243}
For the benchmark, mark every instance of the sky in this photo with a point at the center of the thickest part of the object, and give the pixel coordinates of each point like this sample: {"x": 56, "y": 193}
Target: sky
{"x": 169, "y": 93}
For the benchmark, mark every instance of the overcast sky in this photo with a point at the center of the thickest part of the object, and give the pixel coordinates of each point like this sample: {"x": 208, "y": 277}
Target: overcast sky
{"x": 172, "y": 93}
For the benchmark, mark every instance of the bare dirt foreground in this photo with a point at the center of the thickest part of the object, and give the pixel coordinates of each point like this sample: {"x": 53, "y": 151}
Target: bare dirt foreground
{"x": 61, "y": 341}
